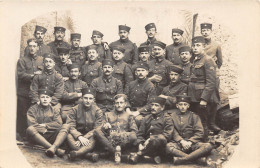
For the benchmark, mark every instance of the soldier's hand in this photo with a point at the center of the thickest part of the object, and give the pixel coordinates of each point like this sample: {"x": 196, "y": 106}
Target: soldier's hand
{"x": 203, "y": 104}
{"x": 69, "y": 61}
{"x": 79, "y": 94}
{"x": 157, "y": 78}
{"x": 107, "y": 126}
{"x": 77, "y": 143}
{"x": 65, "y": 78}
{"x": 106, "y": 47}
{"x": 84, "y": 141}
{"x": 38, "y": 102}
{"x": 141, "y": 147}
{"x": 163, "y": 96}
{"x": 43, "y": 125}
{"x": 185, "y": 144}
{"x": 146, "y": 142}
{"x": 38, "y": 73}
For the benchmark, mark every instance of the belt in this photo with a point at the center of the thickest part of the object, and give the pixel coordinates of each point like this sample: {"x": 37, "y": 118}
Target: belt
{"x": 196, "y": 80}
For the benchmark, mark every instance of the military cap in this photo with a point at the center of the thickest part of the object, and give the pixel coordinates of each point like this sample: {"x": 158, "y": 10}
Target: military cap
{"x": 63, "y": 50}
{"x": 88, "y": 91}
{"x": 149, "y": 26}
{"x": 59, "y": 29}
{"x": 160, "y": 44}
{"x": 45, "y": 91}
{"x": 40, "y": 28}
{"x": 49, "y": 55}
{"x": 107, "y": 62}
{"x": 184, "y": 48}
{"x": 124, "y": 27}
{"x": 32, "y": 39}
{"x": 95, "y": 32}
{"x": 183, "y": 98}
{"x": 198, "y": 39}
{"x": 143, "y": 49}
{"x": 118, "y": 48}
{"x": 158, "y": 100}
{"x": 176, "y": 30}
{"x": 72, "y": 66}
{"x": 91, "y": 47}
{"x": 142, "y": 65}
{"x": 176, "y": 68}
{"x": 205, "y": 26}
{"x": 75, "y": 36}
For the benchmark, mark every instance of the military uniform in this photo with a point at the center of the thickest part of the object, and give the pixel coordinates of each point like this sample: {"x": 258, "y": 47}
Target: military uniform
{"x": 172, "y": 53}
{"x": 78, "y": 56}
{"x": 185, "y": 75}
{"x": 213, "y": 50}
{"x": 43, "y": 49}
{"x": 58, "y": 44}
{"x": 102, "y": 53}
{"x": 90, "y": 71}
{"x": 62, "y": 69}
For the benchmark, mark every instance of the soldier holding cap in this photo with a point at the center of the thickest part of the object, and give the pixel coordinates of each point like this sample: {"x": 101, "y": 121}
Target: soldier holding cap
{"x": 185, "y": 56}
{"x": 106, "y": 87}
{"x": 212, "y": 48}
{"x": 93, "y": 68}
{"x": 83, "y": 119}
{"x": 39, "y": 34}
{"x": 63, "y": 62}
{"x": 175, "y": 87}
{"x": 77, "y": 53}
{"x": 172, "y": 51}
{"x": 45, "y": 126}
{"x": 131, "y": 54}
{"x": 59, "y": 33}
{"x": 186, "y": 144}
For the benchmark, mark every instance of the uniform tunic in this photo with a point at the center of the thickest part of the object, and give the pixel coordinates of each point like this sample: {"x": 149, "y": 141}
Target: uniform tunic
{"x": 90, "y": 71}
{"x": 58, "y": 44}
{"x": 185, "y": 75}
{"x": 62, "y": 69}
{"x": 102, "y": 53}
{"x": 213, "y": 50}
{"x": 43, "y": 49}
{"x": 172, "y": 53}
{"x": 78, "y": 56}
{"x": 131, "y": 53}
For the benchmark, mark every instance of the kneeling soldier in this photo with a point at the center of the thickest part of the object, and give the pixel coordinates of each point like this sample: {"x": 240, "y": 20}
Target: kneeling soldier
{"x": 45, "y": 125}
{"x": 187, "y": 143}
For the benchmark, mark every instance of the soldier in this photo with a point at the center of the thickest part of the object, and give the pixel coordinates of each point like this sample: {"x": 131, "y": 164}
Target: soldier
{"x": 102, "y": 47}
{"x": 131, "y": 54}
{"x": 212, "y": 48}
{"x": 158, "y": 67}
{"x": 77, "y": 53}
{"x": 59, "y": 33}
{"x": 175, "y": 87}
{"x": 45, "y": 126}
{"x": 106, "y": 87}
{"x": 122, "y": 71}
{"x": 119, "y": 129}
{"x": 144, "y": 55}
{"x": 50, "y": 79}
{"x": 83, "y": 120}
{"x": 185, "y": 55}
{"x": 63, "y": 63}
{"x": 172, "y": 51}
{"x": 39, "y": 34}
{"x": 203, "y": 86}
{"x": 186, "y": 144}
{"x": 72, "y": 91}
{"x": 27, "y": 67}
{"x": 93, "y": 68}
{"x": 155, "y": 131}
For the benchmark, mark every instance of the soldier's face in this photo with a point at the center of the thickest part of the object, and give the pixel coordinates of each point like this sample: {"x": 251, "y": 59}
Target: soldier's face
{"x": 123, "y": 34}
{"x": 185, "y": 56}
{"x": 75, "y": 43}
{"x": 158, "y": 51}
{"x": 183, "y": 106}
{"x": 92, "y": 54}
{"x": 74, "y": 73}
{"x": 151, "y": 32}
{"x": 197, "y": 48}
{"x": 174, "y": 77}
{"x": 206, "y": 33}
{"x": 45, "y": 99}
{"x": 107, "y": 70}
{"x": 59, "y": 35}
{"x": 64, "y": 57}
{"x": 96, "y": 39}
{"x": 156, "y": 108}
{"x": 88, "y": 100}
{"x": 144, "y": 56}
{"x": 176, "y": 37}
{"x": 141, "y": 73}
{"x": 49, "y": 63}
{"x": 33, "y": 47}
{"x": 117, "y": 55}
{"x": 120, "y": 104}
{"x": 39, "y": 35}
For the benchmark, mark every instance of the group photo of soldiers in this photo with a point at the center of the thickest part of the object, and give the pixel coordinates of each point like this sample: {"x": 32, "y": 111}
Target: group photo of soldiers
{"x": 154, "y": 102}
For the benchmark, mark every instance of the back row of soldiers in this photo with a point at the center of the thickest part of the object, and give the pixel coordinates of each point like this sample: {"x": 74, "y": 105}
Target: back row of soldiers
{"x": 64, "y": 71}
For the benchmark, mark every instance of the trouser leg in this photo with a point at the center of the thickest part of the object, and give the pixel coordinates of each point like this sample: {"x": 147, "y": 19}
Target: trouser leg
{"x": 34, "y": 135}
{"x": 101, "y": 137}
{"x": 212, "y": 111}
{"x": 155, "y": 145}
{"x": 71, "y": 142}
{"x": 83, "y": 149}
{"x": 23, "y": 104}
{"x": 174, "y": 150}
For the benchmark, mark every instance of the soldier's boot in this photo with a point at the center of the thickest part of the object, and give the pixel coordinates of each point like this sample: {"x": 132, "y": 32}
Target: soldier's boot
{"x": 71, "y": 142}
{"x": 157, "y": 159}
{"x": 94, "y": 157}
{"x": 212, "y": 125}
{"x": 85, "y": 149}
{"x": 202, "y": 161}
{"x": 99, "y": 135}
{"x": 41, "y": 140}
{"x": 176, "y": 153}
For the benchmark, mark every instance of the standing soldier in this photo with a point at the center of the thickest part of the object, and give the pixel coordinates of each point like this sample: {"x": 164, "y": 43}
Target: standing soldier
{"x": 203, "y": 86}
{"x": 59, "y": 33}
{"x": 185, "y": 55}
{"x": 27, "y": 67}
{"x": 172, "y": 51}
{"x": 144, "y": 54}
{"x": 63, "y": 63}
{"x": 102, "y": 47}
{"x": 106, "y": 87}
{"x": 39, "y": 34}
{"x": 212, "y": 48}
{"x": 131, "y": 54}
{"x": 77, "y": 53}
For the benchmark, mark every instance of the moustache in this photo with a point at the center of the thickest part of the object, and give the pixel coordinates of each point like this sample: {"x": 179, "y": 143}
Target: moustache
{"x": 107, "y": 71}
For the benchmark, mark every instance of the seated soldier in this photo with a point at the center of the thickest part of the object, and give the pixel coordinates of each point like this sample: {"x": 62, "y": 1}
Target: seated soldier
{"x": 186, "y": 144}
{"x": 63, "y": 63}
{"x": 119, "y": 129}
{"x": 92, "y": 69}
{"x": 106, "y": 87}
{"x": 83, "y": 119}
{"x": 72, "y": 91}
{"x": 185, "y": 55}
{"x": 45, "y": 126}
{"x": 155, "y": 131}
{"x": 176, "y": 87}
